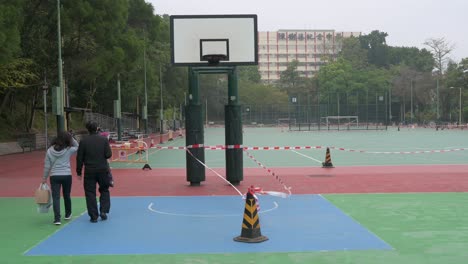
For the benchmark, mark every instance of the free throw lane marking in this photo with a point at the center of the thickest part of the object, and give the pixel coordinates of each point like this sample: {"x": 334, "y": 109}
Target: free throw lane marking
{"x": 150, "y": 207}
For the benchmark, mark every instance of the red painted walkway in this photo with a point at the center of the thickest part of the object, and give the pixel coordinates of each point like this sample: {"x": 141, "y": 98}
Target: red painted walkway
{"x": 20, "y": 174}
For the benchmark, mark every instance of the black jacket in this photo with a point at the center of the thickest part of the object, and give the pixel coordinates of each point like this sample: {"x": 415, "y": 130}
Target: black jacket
{"x": 93, "y": 152}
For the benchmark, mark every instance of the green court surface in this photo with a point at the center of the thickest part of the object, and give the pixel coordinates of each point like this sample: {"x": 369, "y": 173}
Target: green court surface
{"x": 406, "y": 140}
{"x": 422, "y": 228}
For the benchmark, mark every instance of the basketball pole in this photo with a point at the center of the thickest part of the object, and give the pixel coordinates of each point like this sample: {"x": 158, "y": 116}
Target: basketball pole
{"x": 194, "y": 131}
{"x": 233, "y": 131}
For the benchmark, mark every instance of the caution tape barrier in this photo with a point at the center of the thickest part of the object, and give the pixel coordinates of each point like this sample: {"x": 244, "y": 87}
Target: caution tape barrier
{"x": 223, "y": 147}
{"x": 131, "y": 152}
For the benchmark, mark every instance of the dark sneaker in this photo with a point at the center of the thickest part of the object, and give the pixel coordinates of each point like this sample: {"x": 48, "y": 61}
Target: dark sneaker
{"x": 57, "y": 222}
{"x": 93, "y": 220}
{"x": 103, "y": 216}
{"x": 68, "y": 217}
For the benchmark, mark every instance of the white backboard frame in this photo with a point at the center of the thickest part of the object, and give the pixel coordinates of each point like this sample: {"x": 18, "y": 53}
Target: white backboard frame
{"x": 240, "y": 31}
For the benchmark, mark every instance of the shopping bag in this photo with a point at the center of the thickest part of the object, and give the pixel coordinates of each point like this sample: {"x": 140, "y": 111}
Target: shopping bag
{"x": 43, "y": 194}
{"x": 43, "y": 198}
{"x": 110, "y": 178}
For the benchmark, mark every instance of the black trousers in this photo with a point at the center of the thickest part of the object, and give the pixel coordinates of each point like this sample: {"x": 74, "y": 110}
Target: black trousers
{"x": 90, "y": 181}
{"x": 63, "y": 182}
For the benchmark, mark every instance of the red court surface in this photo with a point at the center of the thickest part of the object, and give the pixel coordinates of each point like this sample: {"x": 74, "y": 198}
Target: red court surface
{"x": 20, "y": 174}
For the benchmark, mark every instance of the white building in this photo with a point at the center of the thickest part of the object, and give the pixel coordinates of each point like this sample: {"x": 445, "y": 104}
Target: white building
{"x": 311, "y": 48}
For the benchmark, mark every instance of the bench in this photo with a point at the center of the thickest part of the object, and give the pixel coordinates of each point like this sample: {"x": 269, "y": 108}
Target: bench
{"x": 26, "y": 143}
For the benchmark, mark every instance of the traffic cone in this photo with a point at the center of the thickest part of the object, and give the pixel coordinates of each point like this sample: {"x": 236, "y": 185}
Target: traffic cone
{"x": 146, "y": 166}
{"x": 328, "y": 162}
{"x": 250, "y": 232}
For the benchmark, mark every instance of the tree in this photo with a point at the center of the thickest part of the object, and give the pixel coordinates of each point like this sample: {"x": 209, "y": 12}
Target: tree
{"x": 249, "y": 73}
{"x": 415, "y": 89}
{"x": 440, "y": 50}
{"x": 376, "y": 46}
{"x": 354, "y": 53}
{"x": 11, "y": 19}
{"x": 420, "y": 60}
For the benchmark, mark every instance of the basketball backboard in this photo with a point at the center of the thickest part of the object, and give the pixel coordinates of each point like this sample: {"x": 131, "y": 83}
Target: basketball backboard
{"x": 201, "y": 40}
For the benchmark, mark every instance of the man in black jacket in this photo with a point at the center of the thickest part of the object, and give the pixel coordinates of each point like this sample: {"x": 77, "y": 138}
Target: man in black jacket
{"x": 93, "y": 152}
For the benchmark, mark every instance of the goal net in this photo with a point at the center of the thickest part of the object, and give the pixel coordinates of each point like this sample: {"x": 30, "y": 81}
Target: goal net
{"x": 286, "y": 122}
{"x": 340, "y": 121}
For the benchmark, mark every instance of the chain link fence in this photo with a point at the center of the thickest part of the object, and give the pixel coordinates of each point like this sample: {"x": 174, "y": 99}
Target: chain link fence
{"x": 331, "y": 111}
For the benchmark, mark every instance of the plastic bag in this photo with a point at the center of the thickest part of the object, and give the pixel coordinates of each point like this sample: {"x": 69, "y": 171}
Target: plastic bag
{"x": 43, "y": 208}
{"x": 43, "y": 197}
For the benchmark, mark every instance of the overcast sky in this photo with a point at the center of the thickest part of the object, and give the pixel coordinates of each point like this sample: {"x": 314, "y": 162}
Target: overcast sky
{"x": 407, "y": 22}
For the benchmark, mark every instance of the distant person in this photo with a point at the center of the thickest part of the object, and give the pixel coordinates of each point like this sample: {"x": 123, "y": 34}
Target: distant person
{"x": 93, "y": 152}
{"x": 103, "y": 133}
{"x": 57, "y": 166}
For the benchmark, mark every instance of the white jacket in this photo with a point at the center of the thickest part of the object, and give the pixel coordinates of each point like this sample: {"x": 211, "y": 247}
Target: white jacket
{"x": 60, "y": 160}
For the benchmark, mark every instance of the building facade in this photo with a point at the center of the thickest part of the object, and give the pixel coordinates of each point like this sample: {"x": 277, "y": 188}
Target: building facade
{"x": 311, "y": 48}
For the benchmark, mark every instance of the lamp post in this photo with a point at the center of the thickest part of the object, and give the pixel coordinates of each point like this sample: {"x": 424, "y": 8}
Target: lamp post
{"x": 60, "y": 118}
{"x": 145, "y": 109}
{"x": 162, "y": 106}
{"x": 45, "y": 88}
{"x": 459, "y": 105}
{"x": 412, "y": 102}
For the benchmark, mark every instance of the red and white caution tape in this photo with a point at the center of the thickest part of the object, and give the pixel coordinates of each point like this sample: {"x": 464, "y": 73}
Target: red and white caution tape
{"x": 417, "y": 152}
{"x": 272, "y": 173}
{"x": 223, "y": 147}
{"x": 216, "y": 173}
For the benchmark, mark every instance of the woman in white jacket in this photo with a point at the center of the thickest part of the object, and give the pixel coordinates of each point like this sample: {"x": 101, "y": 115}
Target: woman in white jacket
{"x": 57, "y": 166}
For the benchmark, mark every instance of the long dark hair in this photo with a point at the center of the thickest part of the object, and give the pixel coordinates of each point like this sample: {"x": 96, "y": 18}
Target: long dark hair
{"x": 63, "y": 140}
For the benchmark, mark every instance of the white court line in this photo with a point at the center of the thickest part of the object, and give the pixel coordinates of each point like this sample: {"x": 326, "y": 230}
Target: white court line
{"x": 306, "y": 156}
{"x": 150, "y": 207}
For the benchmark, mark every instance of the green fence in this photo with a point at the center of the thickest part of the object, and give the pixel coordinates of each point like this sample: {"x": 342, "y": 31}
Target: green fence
{"x": 325, "y": 111}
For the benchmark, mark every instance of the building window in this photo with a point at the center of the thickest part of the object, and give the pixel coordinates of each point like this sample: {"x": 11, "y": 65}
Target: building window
{"x": 292, "y": 36}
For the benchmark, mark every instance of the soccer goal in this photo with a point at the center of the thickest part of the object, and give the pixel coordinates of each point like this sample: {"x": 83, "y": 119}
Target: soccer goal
{"x": 286, "y": 122}
{"x": 344, "y": 122}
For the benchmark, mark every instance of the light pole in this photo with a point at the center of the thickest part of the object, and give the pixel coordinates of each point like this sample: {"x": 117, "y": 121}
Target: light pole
{"x": 145, "y": 109}
{"x": 60, "y": 118}
{"x": 412, "y": 102}
{"x": 45, "y": 87}
{"x": 459, "y": 105}
{"x": 162, "y": 106}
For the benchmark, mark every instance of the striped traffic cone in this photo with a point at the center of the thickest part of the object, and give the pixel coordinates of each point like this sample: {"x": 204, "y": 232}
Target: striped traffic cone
{"x": 251, "y": 223}
{"x": 328, "y": 163}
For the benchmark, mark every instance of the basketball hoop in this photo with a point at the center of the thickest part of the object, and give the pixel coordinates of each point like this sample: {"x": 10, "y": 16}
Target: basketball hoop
{"x": 214, "y": 59}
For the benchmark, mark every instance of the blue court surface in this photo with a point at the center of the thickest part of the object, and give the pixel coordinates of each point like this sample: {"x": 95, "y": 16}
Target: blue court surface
{"x": 208, "y": 224}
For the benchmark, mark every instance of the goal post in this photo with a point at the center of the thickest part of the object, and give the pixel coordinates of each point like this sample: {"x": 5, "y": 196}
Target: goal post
{"x": 348, "y": 121}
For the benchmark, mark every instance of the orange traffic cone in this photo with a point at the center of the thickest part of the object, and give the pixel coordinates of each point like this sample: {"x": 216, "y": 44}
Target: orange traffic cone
{"x": 328, "y": 163}
{"x": 250, "y": 232}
